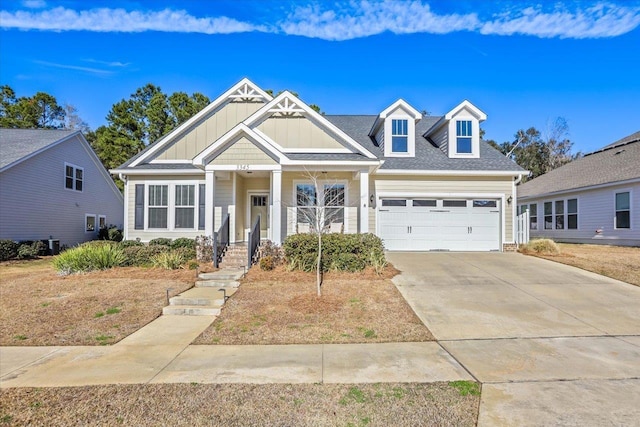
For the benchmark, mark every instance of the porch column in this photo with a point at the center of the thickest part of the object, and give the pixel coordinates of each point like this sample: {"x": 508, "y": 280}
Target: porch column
{"x": 364, "y": 202}
{"x": 209, "y": 197}
{"x": 276, "y": 213}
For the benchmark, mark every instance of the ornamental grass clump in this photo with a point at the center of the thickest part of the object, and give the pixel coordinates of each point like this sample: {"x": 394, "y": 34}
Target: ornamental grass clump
{"x": 89, "y": 257}
{"x": 172, "y": 260}
{"x": 541, "y": 247}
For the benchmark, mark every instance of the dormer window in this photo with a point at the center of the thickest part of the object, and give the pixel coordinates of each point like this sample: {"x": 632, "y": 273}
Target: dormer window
{"x": 463, "y": 137}
{"x": 399, "y": 136}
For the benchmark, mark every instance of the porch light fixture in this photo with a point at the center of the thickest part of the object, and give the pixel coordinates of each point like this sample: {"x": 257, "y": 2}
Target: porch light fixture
{"x": 371, "y": 199}
{"x": 509, "y": 199}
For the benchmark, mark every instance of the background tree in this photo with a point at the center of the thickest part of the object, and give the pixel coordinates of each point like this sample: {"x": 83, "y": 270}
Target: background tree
{"x": 40, "y": 111}
{"x": 145, "y": 117}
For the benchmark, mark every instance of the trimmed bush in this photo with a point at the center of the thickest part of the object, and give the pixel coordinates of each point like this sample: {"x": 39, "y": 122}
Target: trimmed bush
{"x": 128, "y": 243}
{"x": 142, "y": 255}
{"x": 29, "y": 250}
{"x": 88, "y": 258}
{"x": 183, "y": 242}
{"x": 267, "y": 263}
{"x": 160, "y": 241}
{"x": 111, "y": 233}
{"x": 8, "y": 250}
{"x": 342, "y": 252}
{"x": 270, "y": 249}
{"x": 541, "y": 246}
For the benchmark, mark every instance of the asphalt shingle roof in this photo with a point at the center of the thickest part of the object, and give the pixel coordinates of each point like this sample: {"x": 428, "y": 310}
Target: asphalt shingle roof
{"x": 16, "y": 144}
{"x": 428, "y": 156}
{"x": 619, "y": 161}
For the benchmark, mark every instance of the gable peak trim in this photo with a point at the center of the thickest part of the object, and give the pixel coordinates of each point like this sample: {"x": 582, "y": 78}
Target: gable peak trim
{"x": 480, "y": 115}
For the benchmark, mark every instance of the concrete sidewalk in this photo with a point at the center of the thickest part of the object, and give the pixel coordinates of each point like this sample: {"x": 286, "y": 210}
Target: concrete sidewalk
{"x": 161, "y": 353}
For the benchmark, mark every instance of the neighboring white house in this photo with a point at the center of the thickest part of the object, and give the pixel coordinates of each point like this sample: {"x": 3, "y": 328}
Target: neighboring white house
{"x": 419, "y": 182}
{"x": 52, "y": 184}
{"x": 595, "y": 199}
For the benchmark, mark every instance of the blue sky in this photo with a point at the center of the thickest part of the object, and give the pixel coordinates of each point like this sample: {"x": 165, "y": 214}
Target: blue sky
{"x": 523, "y": 63}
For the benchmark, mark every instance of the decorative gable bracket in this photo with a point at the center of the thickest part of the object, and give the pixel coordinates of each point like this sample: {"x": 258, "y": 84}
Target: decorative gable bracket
{"x": 287, "y": 108}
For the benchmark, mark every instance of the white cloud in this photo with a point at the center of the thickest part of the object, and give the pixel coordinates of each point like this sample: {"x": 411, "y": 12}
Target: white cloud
{"x": 89, "y": 70}
{"x": 120, "y": 20}
{"x": 116, "y": 64}
{"x": 600, "y": 20}
{"x": 349, "y": 20}
{"x": 34, "y": 4}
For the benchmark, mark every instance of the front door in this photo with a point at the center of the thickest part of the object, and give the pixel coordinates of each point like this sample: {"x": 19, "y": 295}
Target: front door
{"x": 259, "y": 205}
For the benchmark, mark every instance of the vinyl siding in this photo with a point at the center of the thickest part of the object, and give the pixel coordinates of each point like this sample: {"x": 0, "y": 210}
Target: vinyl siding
{"x": 205, "y": 133}
{"x": 596, "y": 211}
{"x": 450, "y": 186}
{"x": 441, "y": 139}
{"x": 34, "y": 203}
{"x": 243, "y": 152}
{"x": 380, "y": 138}
{"x": 298, "y": 133}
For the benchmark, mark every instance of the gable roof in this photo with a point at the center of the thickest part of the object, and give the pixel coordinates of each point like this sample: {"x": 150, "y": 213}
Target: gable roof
{"x": 17, "y": 145}
{"x": 615, "y": 162}
{"x": 427, "y": 156}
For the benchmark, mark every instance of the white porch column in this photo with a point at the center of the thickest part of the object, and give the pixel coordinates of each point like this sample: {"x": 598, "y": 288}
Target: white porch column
{"x": 276, "y": 213}
{"x": 364, "y": 202}
{"x": 209, "y": 207}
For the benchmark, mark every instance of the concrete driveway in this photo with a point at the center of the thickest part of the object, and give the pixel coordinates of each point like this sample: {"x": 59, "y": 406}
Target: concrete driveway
{"x": 551, "y": 344}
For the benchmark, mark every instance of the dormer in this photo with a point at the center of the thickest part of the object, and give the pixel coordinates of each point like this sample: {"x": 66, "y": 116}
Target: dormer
{"x": 395, "y": 130}
{"x": 458, "y": 132}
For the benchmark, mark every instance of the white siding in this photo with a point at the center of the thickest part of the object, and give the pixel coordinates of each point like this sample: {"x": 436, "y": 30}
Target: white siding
{"x": 34, "y": 203}
{"x": 596, "y": 211}
{"x": 441, "y": 139}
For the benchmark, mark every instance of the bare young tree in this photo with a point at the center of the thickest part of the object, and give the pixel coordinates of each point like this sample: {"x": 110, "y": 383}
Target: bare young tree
{"x": 320, "y": 207}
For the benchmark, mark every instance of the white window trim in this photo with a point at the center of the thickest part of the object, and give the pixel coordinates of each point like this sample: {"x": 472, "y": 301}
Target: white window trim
{"x": 171, "y": 206}
{"x": 564, "y": 215}
{"x": 537, "y": 215}
{"x": 321, "y": 184}
{"x": 552, "y": 214}
{"x": 105, "y": 221}
{"x": 411, "y": 136}
{"x": 577, "y": 214}
{"x": 453, "y": 136}
{"x": 195, "y": 205}
{"x": 618, "y": 191}
{"x": 64, "y": 182}
{"x": 95, "y": 223}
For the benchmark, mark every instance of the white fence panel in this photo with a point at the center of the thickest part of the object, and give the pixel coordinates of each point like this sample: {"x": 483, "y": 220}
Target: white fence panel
{"x": 522, "y": 228}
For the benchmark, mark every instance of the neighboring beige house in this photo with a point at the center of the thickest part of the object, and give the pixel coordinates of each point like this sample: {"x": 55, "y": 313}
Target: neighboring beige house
{"x": 419, "y": 182}
{"x": 594, "y": 199}
{"x": 52, "y": 184}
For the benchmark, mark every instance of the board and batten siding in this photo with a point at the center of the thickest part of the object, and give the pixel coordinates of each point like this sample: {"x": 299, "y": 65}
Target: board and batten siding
{"x": 449, "y": 186}
{"x": 35, "y": 203}
{"x": 298, "y": 133}
{"x": 596, "y": 211}
{"x": 243, "y": 152}
{"x": 216, "y": 124}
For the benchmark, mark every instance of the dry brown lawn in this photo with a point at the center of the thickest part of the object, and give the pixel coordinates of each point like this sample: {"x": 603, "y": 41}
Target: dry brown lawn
{"x": 38, "y": 307}
{"x": 281, "y": 307}
{"x": 435, "y": 404}
{"x": 617, "y": 262}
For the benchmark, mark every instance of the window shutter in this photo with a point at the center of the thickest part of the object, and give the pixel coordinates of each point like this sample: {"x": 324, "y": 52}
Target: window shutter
{"x": 201, "y": 202}
{"x": 139, "y": 220}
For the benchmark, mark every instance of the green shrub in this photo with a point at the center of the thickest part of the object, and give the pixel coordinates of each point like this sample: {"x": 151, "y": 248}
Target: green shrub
{"x": 142, "y": 255}
{"x": 88, "y": 258}
{"x": 127, "y": 243}
{"x": 541, "y": 246}
{"x": 160, "y": 241}
{"x": 267, "y": 263}
{"x": 270, "y": 249}
{"x": 183, "y": 242}
{"x": 8, "y": 250}
{"x": 342, "y": 252}
{"x": 169, "y": 260}
{"x": 186, "y": 253}
{"x": 28, "y": 250}
{"x": 111, "y": 233}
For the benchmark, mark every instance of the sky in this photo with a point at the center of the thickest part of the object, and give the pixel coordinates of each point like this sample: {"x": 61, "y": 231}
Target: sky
{"x": 524, "y": 63}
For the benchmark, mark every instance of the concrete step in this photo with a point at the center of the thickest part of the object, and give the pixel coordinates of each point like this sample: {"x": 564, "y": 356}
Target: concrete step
{"x": 202, "y": 296}
{"x": 217, "y": 283}
{"x": 191, "y": 310}
{"x": 223, "y": 274}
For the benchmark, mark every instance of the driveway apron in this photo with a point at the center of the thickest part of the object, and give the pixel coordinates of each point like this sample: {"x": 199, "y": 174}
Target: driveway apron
{"x": 551, "y": 344}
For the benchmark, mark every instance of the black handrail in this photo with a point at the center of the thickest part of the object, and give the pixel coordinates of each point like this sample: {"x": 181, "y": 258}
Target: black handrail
{"x": 220, "y": 242}
{"x": 254, "y": 243}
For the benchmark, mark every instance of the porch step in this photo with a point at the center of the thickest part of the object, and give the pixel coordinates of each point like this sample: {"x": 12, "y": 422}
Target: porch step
{"x": 223, "y": 274}
{"x": 202, "y": 296}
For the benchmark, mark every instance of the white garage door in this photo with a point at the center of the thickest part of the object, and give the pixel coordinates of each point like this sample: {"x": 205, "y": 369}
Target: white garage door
{"x": 422, "y": 224}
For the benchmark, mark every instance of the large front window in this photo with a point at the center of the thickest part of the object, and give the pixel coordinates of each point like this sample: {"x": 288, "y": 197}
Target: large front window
{"x": 185, "y": 206}
{"x": 324, "y": 210}
{"x": 158, "y": 206}
{"x": 463, "y": 136}
{"x": 399, "y": 136}
{"x": 623, "y": 210}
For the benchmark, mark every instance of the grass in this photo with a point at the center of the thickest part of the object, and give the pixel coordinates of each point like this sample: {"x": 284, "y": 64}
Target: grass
{"x": 281, "y": 307}
{"x": 618, "y": 262}
{"x": 406, "y": 404}
{"x": 39, "y": 307}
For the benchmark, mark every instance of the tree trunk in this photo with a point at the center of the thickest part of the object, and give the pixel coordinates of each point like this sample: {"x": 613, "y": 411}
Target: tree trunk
{"x": 318, "y": 266}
